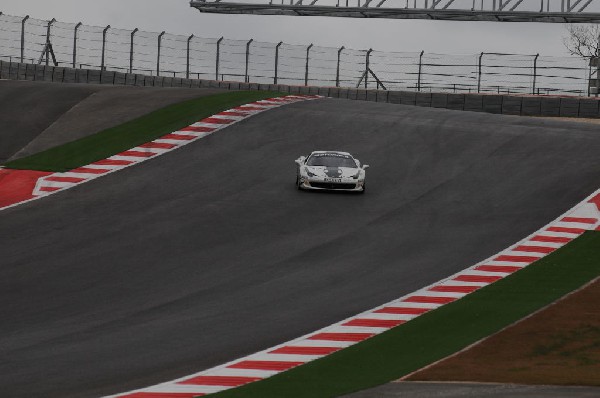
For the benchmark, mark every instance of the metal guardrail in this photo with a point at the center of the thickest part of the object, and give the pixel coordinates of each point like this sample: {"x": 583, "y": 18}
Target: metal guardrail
{"x": 24, "y": 39}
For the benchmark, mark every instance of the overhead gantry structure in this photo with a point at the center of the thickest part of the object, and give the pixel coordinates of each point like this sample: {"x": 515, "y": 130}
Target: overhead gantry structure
{"x": 554, "y": 11}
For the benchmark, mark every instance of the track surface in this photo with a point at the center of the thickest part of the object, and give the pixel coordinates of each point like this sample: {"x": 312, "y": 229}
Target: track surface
{"x": 36, "y": 116}
{"x": 209, "y": 253}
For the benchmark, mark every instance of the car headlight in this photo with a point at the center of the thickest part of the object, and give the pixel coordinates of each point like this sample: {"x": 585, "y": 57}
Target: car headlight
{"x": 309, "y": 173}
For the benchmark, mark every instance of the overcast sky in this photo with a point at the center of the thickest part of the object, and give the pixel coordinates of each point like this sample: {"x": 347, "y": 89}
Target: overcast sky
{"x": 176, "y": 16}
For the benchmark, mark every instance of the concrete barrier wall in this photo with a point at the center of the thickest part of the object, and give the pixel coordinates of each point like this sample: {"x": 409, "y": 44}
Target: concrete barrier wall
{"x": 584, "y": 107}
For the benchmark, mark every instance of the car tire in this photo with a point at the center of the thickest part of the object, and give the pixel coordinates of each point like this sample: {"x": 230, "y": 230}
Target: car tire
{"x": 298, "y": 183}
{"x": 363, "y": 190}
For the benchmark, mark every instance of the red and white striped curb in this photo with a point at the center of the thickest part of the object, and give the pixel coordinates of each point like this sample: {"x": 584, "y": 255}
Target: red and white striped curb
{"x": 56, "y": 182}
{"x": 585, "y": 216}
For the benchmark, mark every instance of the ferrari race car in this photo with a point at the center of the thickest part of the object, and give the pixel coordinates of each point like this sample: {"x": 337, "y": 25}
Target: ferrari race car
{"x": 330, "y": 170}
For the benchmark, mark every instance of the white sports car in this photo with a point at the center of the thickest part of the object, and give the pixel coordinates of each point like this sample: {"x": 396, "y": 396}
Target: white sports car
{"x": 330, "y": 170}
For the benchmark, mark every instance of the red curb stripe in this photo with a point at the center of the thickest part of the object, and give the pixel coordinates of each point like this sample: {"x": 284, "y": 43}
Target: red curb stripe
{"x": 429, "y": 299}
{"x": 50, "y": 189}
{"x": 454, "y": 289}
{"x": 228, "y": 381}
{"x": 173, "y": 136}
{"x": 535, "y": 249}
{"x": 301, "y": 350}
{"x": 64, "y": 179}
{"x": 139, "y": 154}
{"x": 341, "y": 336}
{"x": 402, "y": 310}
{"x": 111, "y": 162}
{"x": 87, "y": 170}
{"x": 374, "y": 323}
{"x": 567, "y": 230}
{"x": 552, "y": 239}
{"x": 157, "y": 145}
{"x": 477, "y": 278}
{"x": 163, "y": 395}
{"x": 517, "y": 259}
{"x": 580, "y": 220}
{"x": 215, "y": 120}
{"x": 232, "y": 113}
{"x": 595, "y": 200}
{"x": 199, "y": 129}
{"x": 497, "y": 268}
{"x": 265, "y": 365}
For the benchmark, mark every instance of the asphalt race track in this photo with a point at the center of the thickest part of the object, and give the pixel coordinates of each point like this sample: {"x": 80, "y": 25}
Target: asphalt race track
{"x": 209, "y": 253}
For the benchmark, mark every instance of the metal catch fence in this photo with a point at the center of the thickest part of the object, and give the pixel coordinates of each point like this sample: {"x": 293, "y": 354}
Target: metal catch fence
{"x": 29, "y": 40}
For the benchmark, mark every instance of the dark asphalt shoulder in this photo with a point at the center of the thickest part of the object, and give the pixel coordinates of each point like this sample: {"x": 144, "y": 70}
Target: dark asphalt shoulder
{"x": 474, "y": 390}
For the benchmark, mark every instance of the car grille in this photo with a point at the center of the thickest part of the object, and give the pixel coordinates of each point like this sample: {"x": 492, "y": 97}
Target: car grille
{"x": 329, "y": 185}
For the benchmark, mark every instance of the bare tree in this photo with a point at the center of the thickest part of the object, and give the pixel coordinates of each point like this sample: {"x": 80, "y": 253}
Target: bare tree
{"x": 583, "y": 40}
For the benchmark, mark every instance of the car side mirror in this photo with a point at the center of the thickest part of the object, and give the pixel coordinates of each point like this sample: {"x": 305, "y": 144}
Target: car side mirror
{"x": 300, "y": 160}
{"x": 366, "y": 166}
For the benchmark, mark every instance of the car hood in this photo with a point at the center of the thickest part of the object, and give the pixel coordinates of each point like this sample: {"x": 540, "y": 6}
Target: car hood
{"x": 333, "y": 172}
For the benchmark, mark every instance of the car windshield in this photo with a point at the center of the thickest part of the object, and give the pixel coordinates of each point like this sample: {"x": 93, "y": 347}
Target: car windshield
{"x": 331, "y": 160}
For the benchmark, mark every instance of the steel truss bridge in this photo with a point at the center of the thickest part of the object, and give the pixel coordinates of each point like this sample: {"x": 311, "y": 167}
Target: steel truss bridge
{"x": 553, "y": 11}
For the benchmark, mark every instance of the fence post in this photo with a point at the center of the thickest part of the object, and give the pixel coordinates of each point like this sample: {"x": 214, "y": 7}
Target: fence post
{"x": 218, "y": 56}
{"x": 23, "y": 37}
{"x": 306, "y": 69}
{"x": 420, "y": 68}
{"x": 597, "y": 76}
{"x": 187, "y": 67}
{"x": 133, "y": 32}
{"x": 597, "y": 72}
{"x": 367, "y": 67}
{"x": 479, "y": 73}
{"x": 246, "y": 77}
{"x": 102, "y": 67}
{"x": 160, "y": 36}
{"x": 75, "y": 44}
{"x": 48, "y": 40}
{"x": 337, "y": 70}
{"x": 276, "y": 61}
{"x": 534, "y": 72}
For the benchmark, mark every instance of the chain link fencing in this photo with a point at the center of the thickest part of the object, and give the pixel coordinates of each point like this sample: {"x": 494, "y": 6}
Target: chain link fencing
{"x": 29, "y": 40}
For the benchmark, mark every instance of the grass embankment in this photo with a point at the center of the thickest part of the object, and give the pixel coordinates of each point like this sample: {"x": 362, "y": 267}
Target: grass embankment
{"x": 437, "y": 334}
{"x": 135, "y": 132}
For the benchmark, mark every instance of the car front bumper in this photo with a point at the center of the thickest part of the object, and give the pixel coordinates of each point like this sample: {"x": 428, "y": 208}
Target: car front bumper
{"x": 346, "y": 184}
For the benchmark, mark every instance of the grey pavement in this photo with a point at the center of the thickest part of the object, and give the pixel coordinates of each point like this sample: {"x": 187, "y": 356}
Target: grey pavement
{"x": 28, "y": 109}
{"x": 474, "y": 390}
{"x": 36, "y": 116}
{"x": 209, "y": 253}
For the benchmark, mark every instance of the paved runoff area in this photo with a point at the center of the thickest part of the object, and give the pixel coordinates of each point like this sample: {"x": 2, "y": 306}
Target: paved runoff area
{"x": 209, "y": 254}
{"x": 36, "y": 116}
{"x": 473, "y": 390}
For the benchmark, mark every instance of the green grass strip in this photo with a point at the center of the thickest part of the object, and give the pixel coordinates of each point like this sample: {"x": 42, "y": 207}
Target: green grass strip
{"x": 439, "y": 333}
{"x": 135, "y": 132}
